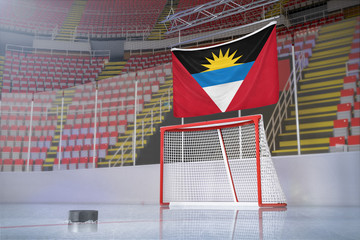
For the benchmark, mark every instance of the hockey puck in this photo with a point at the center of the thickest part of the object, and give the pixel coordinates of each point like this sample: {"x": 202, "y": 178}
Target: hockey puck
{"x": 83, "y": 215}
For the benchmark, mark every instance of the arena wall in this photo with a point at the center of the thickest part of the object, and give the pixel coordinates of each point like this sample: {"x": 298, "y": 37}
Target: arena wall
{"x": 312, "y": 180}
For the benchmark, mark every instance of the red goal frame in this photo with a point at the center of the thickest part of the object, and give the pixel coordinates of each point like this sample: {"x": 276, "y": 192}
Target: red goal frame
{"x": 231, "y": 122}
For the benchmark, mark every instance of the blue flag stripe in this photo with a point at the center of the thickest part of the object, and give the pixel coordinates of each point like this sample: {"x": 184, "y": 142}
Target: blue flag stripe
{"x": 224, "y": 75}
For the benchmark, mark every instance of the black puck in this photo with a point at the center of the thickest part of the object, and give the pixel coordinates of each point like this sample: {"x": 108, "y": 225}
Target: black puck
{"x": 83, "y": 215}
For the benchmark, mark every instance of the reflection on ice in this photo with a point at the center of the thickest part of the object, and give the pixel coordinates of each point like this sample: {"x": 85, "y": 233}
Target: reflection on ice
{"x": 222, "y": 224}
{"x": 83, "y": 227}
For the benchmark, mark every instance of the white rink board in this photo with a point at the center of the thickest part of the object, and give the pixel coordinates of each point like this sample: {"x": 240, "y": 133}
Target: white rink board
{"x": 307, "y": 180}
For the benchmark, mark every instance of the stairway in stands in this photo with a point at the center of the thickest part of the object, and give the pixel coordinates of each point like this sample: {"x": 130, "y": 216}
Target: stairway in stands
{"x": 56, "y": 110}
{"x": 157, "y": 33}
{"x": 319, "y": 92}
{"x": 2, "y": 63}
{"x": 125, "y": 157}
{"x": 111, "y": 69}
{"x": 66, "y": 33}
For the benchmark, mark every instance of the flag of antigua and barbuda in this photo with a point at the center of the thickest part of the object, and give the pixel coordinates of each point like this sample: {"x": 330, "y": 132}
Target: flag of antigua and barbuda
{"x": 239, "y": 74}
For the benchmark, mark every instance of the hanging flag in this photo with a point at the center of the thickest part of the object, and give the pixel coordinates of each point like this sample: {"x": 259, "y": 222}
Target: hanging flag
{"x": 239, "y": 74}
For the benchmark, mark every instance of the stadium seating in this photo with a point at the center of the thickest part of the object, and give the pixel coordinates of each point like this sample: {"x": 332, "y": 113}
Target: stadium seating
{"x": 326, "y": 94}
{"x": 37, "y": 16}
{"x": 26, "y": 75}
{"x": 15, "y": 121}
{"x": 119, "y": 18}
{"x": 78, "y": 131}
{"x": 304, "y": 41}
{"x": 33, "y": 72}
{"x": 140, "y": 62}
{"x": 349, "y": 111}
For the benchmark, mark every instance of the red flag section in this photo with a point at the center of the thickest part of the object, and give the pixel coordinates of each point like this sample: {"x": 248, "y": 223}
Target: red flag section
{"x": 261, "y": 85}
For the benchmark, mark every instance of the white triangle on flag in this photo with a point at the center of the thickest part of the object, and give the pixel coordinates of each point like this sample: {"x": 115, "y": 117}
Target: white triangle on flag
{"x": 223, "y": 94}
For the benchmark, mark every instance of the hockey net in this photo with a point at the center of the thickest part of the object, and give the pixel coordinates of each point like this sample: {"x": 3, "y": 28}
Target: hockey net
{"x": 222, "y": 161}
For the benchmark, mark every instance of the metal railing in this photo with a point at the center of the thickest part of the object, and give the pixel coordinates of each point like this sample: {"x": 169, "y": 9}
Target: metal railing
{"x": 126, "y": 32}
{"x": 314, "y": 15}
{"x": 50, "y": 30}
{"x": 120, "y": 13}
{"x": 286, "y": 98}
{"x": 146, "y": 127}
{"x": 54, "y": 51}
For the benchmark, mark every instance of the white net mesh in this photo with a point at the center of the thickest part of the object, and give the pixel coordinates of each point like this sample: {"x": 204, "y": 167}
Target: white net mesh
{"x": 196, "y": 170}
{"x": 194, "y": 167}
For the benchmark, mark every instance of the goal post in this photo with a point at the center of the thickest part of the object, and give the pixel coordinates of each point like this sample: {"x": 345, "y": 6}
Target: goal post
{"x": 221, "y": 162}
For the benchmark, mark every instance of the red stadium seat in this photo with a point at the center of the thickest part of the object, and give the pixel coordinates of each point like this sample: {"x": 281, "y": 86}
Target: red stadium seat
{"x": 83, "y": 162}
{"x": 355, "y": 126}
{"x": 341, "y": 128}
{"x": 7, "y": 165}
{"x": 73, "y": 164}
{"x": 350, "y": 82}
{"x": 354, "y": 143}
{"x": 38, "y": 165}
{"x": 357, "y": 109}
{"x": 92, "y": 162}
{"x": 344, "y": 111}
{"x": 347, "y": 96}
{"x": 18, "y": 165}
{"x": 337, "y": 144}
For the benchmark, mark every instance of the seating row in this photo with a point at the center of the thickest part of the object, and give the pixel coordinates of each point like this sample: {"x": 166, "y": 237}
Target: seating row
{"x": 137, "y": 63}
{"x": 80, "y": 140}
{"x": 101, "y": 127}
{"x": 52, "y": 58}
{"x": 19, "y": 165}
{"x": 75, "y": 163}
{"x": 11, "y": 117}
{"x": 23, "y": 130}
{"x": 36, "y": 73}
{"x": 29, "y": 97}
{"x": 23, "y": 152}
{"x": 23, "y": 141}
{"x": 82, "y": 151}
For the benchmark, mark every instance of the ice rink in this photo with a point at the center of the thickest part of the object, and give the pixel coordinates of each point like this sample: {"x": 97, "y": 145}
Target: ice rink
{"x": 50, "y": 221}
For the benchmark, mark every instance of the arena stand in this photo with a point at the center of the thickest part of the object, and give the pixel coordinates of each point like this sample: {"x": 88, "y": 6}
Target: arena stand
{"x": 26, "y": 70}
{"x": 115, "y": 19}
{"x": 37, "y": 17}
{"x": 69, "y": 136}
{"x": 321, "y": 93}
{"x": 68, "y": 133}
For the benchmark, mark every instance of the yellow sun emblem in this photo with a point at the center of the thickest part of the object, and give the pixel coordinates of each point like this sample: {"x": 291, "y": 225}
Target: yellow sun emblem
{"x": 221, "y": 61}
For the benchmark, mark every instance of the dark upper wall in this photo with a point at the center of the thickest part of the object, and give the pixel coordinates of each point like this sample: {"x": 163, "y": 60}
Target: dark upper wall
{"x": 7, "y": 37}
{"x": 116, "y": 47}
